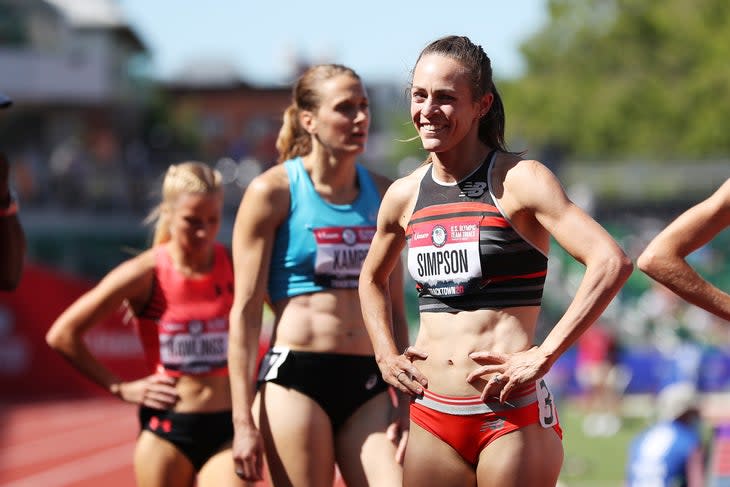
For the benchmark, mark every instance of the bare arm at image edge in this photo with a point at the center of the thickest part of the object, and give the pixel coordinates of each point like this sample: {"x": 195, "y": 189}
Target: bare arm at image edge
{"x": 664, "y": 259}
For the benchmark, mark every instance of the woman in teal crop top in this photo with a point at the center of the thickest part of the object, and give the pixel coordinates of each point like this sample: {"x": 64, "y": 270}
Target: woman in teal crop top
{"x": 481, "y": 412}
{"x": 329, "y": 252}
{"x": 301, "y": 233}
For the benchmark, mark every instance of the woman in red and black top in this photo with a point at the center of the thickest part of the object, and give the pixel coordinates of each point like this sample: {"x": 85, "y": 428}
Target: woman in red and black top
{"x": 180, "y": 292}
{"x": 478, "y": 221}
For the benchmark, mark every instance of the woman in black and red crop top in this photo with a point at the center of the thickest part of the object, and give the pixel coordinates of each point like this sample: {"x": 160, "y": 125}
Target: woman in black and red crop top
{"x": 477, "y": 221}
{"x": 180, "y": 292}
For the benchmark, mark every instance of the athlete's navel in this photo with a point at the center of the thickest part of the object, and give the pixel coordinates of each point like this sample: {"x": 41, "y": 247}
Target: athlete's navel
{"x": 450, "y": 362}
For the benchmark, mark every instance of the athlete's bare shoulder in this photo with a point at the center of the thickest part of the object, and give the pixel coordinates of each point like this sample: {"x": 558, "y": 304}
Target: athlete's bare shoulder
{"x": 139, "y": 265}
{"x": 407, "y": 186}
{"x": 267, "y": 196}
{"x": 131, "y": 280}
{"x": 272, "y": 180}
{"x": 401, "y": 196}
{"x": 381, "y": 182}
{"x": 513, "y": 166}
{"x": 527, "y": 181}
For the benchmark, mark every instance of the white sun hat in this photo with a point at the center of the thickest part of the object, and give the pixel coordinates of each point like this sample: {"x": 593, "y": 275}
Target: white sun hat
{"x": 676, "y": 399}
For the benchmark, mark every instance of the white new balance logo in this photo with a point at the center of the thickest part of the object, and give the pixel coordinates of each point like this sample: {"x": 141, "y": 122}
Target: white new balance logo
{"x": 473, "y": 190}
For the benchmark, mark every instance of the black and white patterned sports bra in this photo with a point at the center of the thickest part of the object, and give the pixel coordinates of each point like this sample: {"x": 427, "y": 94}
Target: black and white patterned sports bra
{"x": 464, "y": 253}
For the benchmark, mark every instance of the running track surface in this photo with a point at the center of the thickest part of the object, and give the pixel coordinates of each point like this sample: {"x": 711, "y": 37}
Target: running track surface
{"x": 79, "y": 443}
{"x": 89, "y": 442}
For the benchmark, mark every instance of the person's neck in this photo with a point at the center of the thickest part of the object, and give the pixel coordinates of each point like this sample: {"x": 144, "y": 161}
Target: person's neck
{"x": 454, "y": 165}
{"x": 334, "y": 178}
{"x": 191, "y": 264}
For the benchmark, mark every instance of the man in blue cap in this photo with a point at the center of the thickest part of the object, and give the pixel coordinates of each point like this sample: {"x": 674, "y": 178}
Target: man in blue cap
{"x": 670, "y": 452}
{"x": 12, "y": 237}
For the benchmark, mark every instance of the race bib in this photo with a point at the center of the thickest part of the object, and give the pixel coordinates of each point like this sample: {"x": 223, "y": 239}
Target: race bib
{"x": 443, "y": 257}
{"x": 271, "y": 362}
{"x": 546, "y": 403}
{"x": 340, "y": 254}
{"x": 194, "y": 347}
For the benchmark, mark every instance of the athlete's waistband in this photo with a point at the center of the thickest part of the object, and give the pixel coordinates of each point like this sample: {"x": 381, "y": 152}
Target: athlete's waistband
{"x": 464, "y": 406}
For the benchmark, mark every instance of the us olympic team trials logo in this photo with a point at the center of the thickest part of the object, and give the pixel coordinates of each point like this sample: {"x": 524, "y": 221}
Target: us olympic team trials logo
{"x": 195, "y": 327}
{"x": 348, "y": 235}
{"x": 438, "y": 236}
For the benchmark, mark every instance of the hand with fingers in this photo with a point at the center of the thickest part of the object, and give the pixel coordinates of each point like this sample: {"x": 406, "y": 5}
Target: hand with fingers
{"x": 508, "y": 371}
{"x": 155, "y": 391}
{"x": 248, "y": 454}
{"x": 399, "y": 371}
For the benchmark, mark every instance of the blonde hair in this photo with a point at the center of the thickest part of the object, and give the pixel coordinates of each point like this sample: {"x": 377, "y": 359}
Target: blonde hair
{"x": 293, "y": 140}
{"x": 185, "y": 177}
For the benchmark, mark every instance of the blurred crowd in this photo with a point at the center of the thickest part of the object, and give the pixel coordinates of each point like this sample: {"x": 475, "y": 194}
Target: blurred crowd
{"x": 100, "y": 172}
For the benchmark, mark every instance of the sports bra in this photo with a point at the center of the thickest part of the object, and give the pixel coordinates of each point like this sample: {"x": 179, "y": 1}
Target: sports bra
{"x": 184, "y": 326}
{"x": 464, "y": 254}
{"x": 321, "y": 245}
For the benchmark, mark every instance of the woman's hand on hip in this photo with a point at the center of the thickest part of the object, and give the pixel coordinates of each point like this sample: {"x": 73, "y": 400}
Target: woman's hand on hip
{"x": 399, "y": 371}
{"x": 154, "y": 391}
{"x": 508, "y": 371}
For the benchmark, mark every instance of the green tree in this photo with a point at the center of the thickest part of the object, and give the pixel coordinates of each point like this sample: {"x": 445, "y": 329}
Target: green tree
{"x": 623, "y": 78}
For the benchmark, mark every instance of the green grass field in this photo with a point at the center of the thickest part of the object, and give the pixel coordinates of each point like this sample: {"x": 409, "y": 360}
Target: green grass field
{"x": 594, "y": 461}
{"x": 599, "y": 461}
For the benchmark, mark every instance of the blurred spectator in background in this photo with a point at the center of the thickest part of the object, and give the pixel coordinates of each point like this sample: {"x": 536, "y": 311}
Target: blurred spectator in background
{"x": 601, "y": 378}
{"x": 670, "y": 452}
{"x": 676, "y": 333}
{"x": 664, "y": 258}
{"x": 12, "y": 237}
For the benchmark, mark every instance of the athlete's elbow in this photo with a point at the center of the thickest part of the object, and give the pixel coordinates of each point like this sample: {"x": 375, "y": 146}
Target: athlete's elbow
{"x": 57, "y": 340}
{"x": 618, "y": 267}
{"x": 649, "y": 261}
{"x": 626, "y": 267}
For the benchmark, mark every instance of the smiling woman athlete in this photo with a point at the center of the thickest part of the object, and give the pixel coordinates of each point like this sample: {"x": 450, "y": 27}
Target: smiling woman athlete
{"x": 477, "y": 221}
